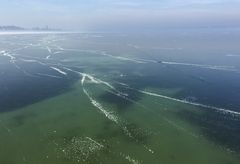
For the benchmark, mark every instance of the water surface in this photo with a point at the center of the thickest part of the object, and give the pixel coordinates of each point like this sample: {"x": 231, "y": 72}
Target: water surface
{"x": 171, "y": 97}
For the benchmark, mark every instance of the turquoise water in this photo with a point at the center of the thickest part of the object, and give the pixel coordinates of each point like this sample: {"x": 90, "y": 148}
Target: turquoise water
{"x": 172, "y": 97}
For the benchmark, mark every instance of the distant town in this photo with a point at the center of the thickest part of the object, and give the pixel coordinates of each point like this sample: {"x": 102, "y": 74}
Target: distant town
{"x": 17, "y": 28}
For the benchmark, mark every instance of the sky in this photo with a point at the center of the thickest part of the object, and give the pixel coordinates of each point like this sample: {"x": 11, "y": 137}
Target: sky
{"x": 117, "y": 15}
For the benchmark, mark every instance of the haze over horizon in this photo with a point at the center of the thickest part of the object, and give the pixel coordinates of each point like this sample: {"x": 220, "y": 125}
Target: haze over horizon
{"x": 120, "y": 15}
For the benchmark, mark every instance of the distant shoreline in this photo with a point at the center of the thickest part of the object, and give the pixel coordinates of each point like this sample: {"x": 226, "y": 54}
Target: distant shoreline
{"x": 34, "y": 32}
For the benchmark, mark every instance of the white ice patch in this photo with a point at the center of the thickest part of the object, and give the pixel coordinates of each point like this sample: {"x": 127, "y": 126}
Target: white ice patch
{"x": 123, "y": 84}
{"x": 224, "y": 68}
{"x": 60, "y": 48}
{"x": 91, "y": 78}
{"x": 12, "y": 58}
{"x": 49, "y": 50}
{"x": 123, "y": 58}
{"x": 58, "y": 52}
{"x": 83, "y": 79}
{"x": 80, "y": 149}
{"x": 144, "y": 61}
{"x": 98, "y": 144}
{"x": 47, "y": 57}
{"x": 150, "y": 150}
{"x": 131, "y": 160}
{"x": 110, "y": 115}
{"x": 191, "y": 103}
{"x": 33, "y": 61}
{"x": 59, "y": 71}
{"x": 13, "y": 61}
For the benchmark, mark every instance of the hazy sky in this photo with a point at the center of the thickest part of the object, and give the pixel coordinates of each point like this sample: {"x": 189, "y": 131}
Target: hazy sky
{"x": 119, "y": 14}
